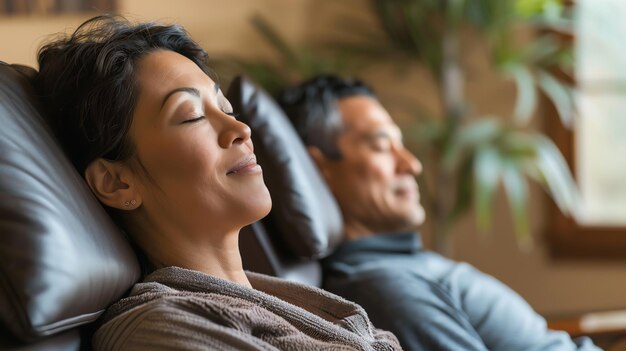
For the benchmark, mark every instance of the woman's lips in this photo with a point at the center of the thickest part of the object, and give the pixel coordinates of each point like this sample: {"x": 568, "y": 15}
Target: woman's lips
{"x": 247, "y": 165}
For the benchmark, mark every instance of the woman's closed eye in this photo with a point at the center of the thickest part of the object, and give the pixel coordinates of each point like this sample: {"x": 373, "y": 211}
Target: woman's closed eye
{"x": 199, "y": 118}
{"x": 193, "y": 120}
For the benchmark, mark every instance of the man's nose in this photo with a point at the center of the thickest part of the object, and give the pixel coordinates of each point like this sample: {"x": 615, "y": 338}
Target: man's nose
{"x": 408, "y": 163}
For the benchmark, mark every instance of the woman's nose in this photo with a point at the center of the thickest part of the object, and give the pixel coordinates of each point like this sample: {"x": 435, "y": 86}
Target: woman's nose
{"x": 233, "y": 132}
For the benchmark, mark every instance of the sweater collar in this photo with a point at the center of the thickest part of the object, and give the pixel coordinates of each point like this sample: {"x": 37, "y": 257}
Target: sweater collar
{"x": 264, "y": 288}
{"x": 273, "y": 293}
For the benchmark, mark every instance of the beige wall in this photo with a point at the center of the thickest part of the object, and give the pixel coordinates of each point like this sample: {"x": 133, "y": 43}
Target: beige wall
{"x": 222, "y": 27}
{"x": 20, "y": 37}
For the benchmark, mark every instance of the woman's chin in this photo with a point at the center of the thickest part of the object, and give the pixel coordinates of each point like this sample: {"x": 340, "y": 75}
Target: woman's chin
{"x": 260, "y": 205}
{"x": 248, "y": 204}
{"x": 267, "y": 205}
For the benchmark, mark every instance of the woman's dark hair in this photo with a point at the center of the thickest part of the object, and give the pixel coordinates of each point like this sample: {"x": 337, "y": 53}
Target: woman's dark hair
{"x": 89, "y": 89}
{"x": 312, "y": 109}
{"x": 88, "y": 86}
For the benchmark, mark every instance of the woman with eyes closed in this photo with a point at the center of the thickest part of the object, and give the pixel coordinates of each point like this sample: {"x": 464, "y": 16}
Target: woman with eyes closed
{"x": 157, "y": 142}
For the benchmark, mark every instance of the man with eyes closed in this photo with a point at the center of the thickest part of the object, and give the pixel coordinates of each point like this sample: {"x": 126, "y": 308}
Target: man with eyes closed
{"x": 426, "y": 300}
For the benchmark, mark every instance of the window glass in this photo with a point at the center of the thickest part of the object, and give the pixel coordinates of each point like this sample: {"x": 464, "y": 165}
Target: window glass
{"x": 601, "y": 99}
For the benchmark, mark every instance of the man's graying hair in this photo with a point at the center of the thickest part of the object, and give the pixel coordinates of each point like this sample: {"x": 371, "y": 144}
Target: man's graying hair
{"x": 312, "y": 108}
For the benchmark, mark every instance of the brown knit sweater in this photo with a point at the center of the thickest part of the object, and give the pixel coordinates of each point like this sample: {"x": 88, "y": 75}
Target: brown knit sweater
{"x": 180, "y": 309}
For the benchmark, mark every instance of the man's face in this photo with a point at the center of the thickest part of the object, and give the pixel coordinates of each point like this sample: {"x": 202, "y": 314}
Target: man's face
{"x": 374, "y": 181}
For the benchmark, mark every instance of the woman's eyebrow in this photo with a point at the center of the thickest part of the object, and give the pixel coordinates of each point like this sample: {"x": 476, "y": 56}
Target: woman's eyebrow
{"x": 192, "y": 91}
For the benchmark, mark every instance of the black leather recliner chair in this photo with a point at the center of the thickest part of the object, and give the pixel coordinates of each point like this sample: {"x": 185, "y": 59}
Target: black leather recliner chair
{"x": 62, "y": 260}
{"x": 305, "y": 223}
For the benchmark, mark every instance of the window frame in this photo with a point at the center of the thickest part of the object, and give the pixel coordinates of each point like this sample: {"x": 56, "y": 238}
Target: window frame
{"x": 567, "y": 239}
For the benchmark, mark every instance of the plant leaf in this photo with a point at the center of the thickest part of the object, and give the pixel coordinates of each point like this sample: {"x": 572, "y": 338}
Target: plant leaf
{"x": 272, "y": 37}
{"x": 469, "y": 137}
{"x": 559, "y": 94}
{"x": 517, "y": 191}
{"x": 464, "y": 192}
{"x": 526, "y": 93}
{"x": 557, "y": 176}
{"x": 545, "y": 46}
{"x": 487, "y": 168}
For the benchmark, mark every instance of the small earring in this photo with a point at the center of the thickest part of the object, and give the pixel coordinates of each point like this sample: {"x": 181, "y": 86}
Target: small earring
{"x": 127, "y": 203}
{"x": 133, "y": 202}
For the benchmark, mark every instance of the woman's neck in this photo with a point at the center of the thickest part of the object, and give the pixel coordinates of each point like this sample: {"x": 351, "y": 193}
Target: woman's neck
{"x": 216, "y": 255}
{"x": 222, "y": 261}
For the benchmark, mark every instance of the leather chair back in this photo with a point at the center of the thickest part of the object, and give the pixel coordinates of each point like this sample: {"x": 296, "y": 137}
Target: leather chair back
{"x": 305, "y": 222}
{"x": 62, "y": 260}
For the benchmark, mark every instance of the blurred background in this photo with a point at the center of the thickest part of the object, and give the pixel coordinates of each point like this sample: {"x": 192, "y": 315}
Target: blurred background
{"x": 506, "y": 102}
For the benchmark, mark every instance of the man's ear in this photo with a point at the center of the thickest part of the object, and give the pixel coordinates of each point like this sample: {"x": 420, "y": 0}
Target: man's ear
{"x": 112, "y": 184}
{"x": 322, "y": 162}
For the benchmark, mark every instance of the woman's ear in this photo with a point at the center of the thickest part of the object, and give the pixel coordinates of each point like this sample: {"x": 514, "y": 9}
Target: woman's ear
{"x": 112, "y": 184}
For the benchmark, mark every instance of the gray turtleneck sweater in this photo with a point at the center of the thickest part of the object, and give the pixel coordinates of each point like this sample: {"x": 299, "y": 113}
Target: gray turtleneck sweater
{"x": 180, "y": 309}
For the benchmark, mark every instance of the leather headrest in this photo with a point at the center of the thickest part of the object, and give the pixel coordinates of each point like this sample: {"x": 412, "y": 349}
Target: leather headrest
{"x": 304, "y": 212}
{"x": 62, "y": 260}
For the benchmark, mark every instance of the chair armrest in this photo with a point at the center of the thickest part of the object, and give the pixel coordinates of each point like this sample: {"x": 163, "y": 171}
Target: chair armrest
{"x": 592, "y": 323}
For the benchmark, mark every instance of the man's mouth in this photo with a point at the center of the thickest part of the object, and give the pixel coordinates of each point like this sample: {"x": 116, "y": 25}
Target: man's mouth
{"x": 406, "y": 190}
